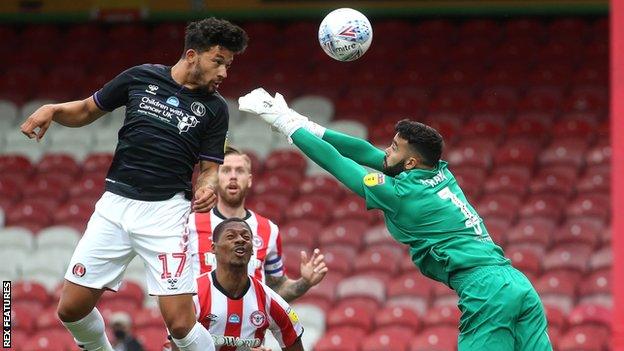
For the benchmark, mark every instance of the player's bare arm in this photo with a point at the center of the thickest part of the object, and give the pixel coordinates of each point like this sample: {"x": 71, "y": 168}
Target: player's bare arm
{"x": 313, "y": 270}
{"x": 70, "y": 114}
{"x": 205, "y": 195}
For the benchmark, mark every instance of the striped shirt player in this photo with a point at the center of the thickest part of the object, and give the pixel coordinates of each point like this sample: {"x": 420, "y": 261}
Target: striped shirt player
{"x": 267, "y": 244}
{"x": 240, "y": 324}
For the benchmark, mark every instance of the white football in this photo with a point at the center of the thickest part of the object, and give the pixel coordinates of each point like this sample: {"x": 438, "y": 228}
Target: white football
{"x": 345, "y": 34}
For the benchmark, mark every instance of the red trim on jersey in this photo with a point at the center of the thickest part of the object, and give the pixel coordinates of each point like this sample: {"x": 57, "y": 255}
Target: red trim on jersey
{"x": 289, "y": 334}
{"x": 204, "y": 295}
{"x": 233, "y": 329}
{"x": 261, "y": 297}
{"x": 264, "y": 232}
{"x": 204, "y": 239}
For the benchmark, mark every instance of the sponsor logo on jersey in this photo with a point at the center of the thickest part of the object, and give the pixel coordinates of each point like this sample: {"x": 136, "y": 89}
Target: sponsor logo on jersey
{"x": 212, "y": 317}
{"x": 257, "y": 242}
{"x": 234, "y": 318}
{"x": 151, "y": 89}
{"x": 292, "y": 315}
{"x": 173, "y": 101}
{"x": 186, "y": 122}
{"x": 234, "y": 341}
{"x": 79, "y": 270}
{"x": 373, "y": 179}
{"x": 257, "y": 318}
{"x": 198, "y": 109}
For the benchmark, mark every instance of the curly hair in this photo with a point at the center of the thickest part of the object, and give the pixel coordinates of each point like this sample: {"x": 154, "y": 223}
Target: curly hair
{"x": 425, "y": 140}
{"x": 204, "y": 34}
{"x": 221, "y": 227}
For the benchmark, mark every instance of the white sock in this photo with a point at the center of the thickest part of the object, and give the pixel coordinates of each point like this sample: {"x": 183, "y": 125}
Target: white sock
{"x": 198, "y": 339}
{"x": 89, "y": 332}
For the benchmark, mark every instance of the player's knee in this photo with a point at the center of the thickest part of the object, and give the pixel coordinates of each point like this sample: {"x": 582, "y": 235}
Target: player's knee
{"x": 71, "y": 313}
{"x": 179, "y": 327}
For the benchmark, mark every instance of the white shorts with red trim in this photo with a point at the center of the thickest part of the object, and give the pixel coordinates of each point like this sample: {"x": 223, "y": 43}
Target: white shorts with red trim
{"x": 122, "y": 228}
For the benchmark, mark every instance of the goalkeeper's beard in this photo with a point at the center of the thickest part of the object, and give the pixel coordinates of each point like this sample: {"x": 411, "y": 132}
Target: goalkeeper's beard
{"x": 395, "y": 169}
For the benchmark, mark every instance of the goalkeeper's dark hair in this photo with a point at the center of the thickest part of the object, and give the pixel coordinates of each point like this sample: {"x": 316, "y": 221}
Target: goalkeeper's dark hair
{"x": 202, "y": 35}
{"x": 424, "y": 140}
{"x": 221, "y": 227}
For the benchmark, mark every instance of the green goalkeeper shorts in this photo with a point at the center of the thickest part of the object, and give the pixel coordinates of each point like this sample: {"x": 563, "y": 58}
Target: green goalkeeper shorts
{"x": 501, "y": 311}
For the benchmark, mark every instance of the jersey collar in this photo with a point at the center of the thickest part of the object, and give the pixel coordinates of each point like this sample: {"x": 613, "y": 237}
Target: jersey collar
{"x": 225, "y": 292}
{"x": 215, "y": 210}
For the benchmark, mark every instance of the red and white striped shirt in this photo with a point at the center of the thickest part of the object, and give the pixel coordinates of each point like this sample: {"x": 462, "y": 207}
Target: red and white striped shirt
{"x": 239, "y": 324}
{"x": 267, "y": 244}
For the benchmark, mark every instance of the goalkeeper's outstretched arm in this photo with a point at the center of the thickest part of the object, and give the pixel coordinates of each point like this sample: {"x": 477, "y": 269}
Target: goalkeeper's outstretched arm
{"x": 347, "y": 171}
{"x": 359, "y": 150}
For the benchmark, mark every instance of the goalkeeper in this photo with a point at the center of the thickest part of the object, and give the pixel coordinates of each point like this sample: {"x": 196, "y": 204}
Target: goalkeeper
{"x": 425, "y": 209}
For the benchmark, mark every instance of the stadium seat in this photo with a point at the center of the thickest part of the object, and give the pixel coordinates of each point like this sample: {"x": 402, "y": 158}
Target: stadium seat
{"x": 558, "y": 288}
{"x": 339, "y": 258}
{"x": 601, "y": 258}
{"x": 526, "y": 260}
{"x": 31, "y": 292}
{"x": 361, "y": 286}
{"x": 352, "y": 207}
{"x": 382, "y": 260}
{"x": 517, "y": 152}
{"x": 294, "y": 234}
{"x": 16, "y": 164}
{"x": 556, "y": 318}
{"x": 57, "y": 237}
{"x": 570, "y": 256}
{"x": 17, "y": 238}
{"x": 353, "y": 316}
{"x": 323, "y": 295}
{"x": 584, "y": 231}
{"x": 533, "y": 233}
{"x": 548, "y": 181}
{"x": 400, "y": 316}
{"x": 442, "y": 315}
{"x": 388, "y": 338}
{"x": 594, "y": 182}
{"x": 469, "y": 156}
{"x": 441, "y": 338}
{"x": 48, "y": 320}
{"x": 598, "y": 155}
{"x": 498, "y": 205}
{"x": 322, "y": 184}
{"x": 498, "y": 228}
{"x": 88, "y": 186}
{"x": 590, "y": 314}
{"x": 596, "y": 288}
{"x": 340, "y": 338}
{"x": 151, "y": 338}
{"x": 532, "y": 126}
{"x": 589, "y": 205}
{"x": 507, "y": 181}
{"x": 378, "y": 235}
{"x": 544, "y": 206}
{"x": 23, "y": 316}
{"x": 443, "y": 296}
{"x": 74, "y": 211}
{"x": 586, "y": 338}
{"x": 312, "y": 207}
{"x": 318, "y": 108}
{"x": 52, "y": 340}
{"x": 563, "y": 152}
{"x": 47, "y": 187}
{"x": 289, "y": 159}
{"x": 348, "y": 232}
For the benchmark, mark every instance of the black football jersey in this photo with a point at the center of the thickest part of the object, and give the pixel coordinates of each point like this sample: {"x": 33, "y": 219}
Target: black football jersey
{"x": 167, "y": 129}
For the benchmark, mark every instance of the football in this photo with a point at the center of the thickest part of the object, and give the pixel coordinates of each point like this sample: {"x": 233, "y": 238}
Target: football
{"x": 345, "y": 34}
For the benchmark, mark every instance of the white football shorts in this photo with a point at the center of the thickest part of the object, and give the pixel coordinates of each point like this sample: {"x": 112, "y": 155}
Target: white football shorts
{"x": 121, "y": 228}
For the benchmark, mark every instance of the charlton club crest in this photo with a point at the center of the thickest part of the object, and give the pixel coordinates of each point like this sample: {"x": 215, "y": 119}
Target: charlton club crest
{"x": 79, "y": 270}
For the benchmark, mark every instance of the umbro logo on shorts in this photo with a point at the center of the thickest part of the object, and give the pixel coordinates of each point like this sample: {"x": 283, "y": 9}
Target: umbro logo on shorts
{"x": 79, "y": 270}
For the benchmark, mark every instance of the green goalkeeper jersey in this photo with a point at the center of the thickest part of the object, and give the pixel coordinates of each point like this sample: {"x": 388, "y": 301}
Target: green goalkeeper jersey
{"x": 424, "y": 209}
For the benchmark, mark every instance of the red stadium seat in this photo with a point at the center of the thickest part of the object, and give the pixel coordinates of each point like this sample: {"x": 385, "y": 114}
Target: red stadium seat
{"x": 350, "y": 316}
{"x": 549, "y": 181}
{"x": 277, "y": 182}
{"x": 322, "y": 184}
{"x": 556, "y": 317}
{"x": 314, "y": 207}
{"x": 441, "y": 338}
{"x": 584, "y": 231}
{"x": 108, "y": 307}
{"x": 88, "y": 186}
{"x": 74, "y": 210}
{"x": 388, "y": 338}
{"x": 48, "y": 320}
{"x": 411, "y": 289}
{"x": 148, "y": 317}
{"x": 541, "y": 100}
{"x": 30, "y": 214}
{"x": 10, "y": 189}
{"x": 352, "y": 207}
{"x": 323, "y": 295}
{"x": 590, "y": 314}
{"x": 525, "y": 260}
{"x": 452, "y": 100}
{"x": 505, "y": 74}
{"x": 151, "y": 338}
{"x": 586, "y": 338}
{"x": 382, "y": 260}
{"x": 544, "y": 206}
{"x": 397, "y": 316}
{"x": 379, "y": 236}
{"x": 442, "y": 315}
{"x": 290, "y": 159}
{"x": 97, "y": 162}
{"x": 52, "y": 340}
{"x": 504, "y": 181}
{"x": 300, "y": 233}
{"x": 23, "y": 318}
{"x": 564, "y": 152}
{"x": 573, "y": 127}
{"x": 339, "y": 258}
{"x": 15, "y": 164}
{"x": 362, "y": 286}
{"x": 58, "y": 163}
{"x": 340, "y": 339}
{"x": 587, "y": 99}
{"x": 46, "y": 188}
{"x": 518, "y": 152}
{"x": 594, "y": 182}
{"x": 602, "y": 258}
{"x": 131, "y": 291}
{"x": 571, "y": 256}
{"x": 349, "y": 232}
{"x": 596, "y": 288}
{"x": 498, "y": 228}
{"x": 30, "y": 291}
{"x": 532, "y": 126}
{"x": 498, "y": 205}
{"x": 558, "y": 288}
{"x": 590, "y": 205}
{"x": 407, "y": 100}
